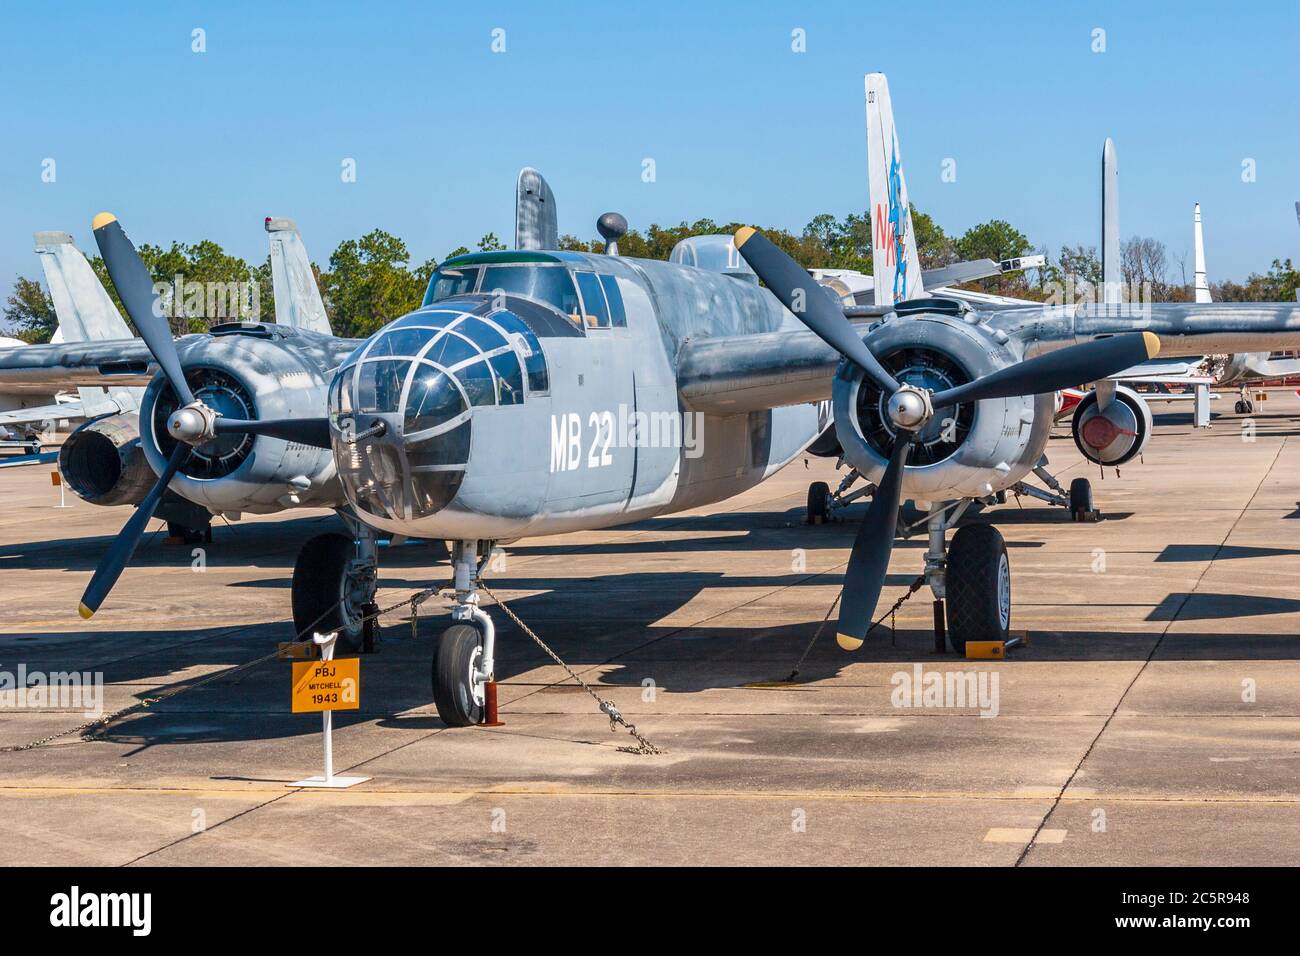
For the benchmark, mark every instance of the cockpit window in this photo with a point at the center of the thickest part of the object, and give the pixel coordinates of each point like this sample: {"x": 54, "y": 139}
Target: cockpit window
{"x": 434, "y": 400}
{"x": 546, "y": 283}
{"x": 448, "y": 282}
{"x": 595, "y": 313}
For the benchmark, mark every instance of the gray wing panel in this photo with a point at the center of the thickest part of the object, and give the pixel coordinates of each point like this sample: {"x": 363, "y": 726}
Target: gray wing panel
{"x": 743, "y": 373}
{"x": 115, "y": 361}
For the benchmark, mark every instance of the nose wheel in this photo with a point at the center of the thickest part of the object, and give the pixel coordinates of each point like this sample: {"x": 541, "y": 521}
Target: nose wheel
{"x": 463, "y": 660}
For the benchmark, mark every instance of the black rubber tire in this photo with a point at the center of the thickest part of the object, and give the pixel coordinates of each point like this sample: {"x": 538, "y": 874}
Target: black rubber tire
{"x": 187, "y": 534}
{"x": 1250, "y": 408}
{"x": 819, "y": 494}
{"x": 458, "y": 651}
{"x": 1240, "y": 407}
{"x": 1081, "y": 505}
{"x": 317, "y": 583}
{"x": 976, "y": 558}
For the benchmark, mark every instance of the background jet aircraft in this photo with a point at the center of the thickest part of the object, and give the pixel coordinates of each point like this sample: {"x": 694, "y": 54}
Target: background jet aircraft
{"x": 85, "y": 314}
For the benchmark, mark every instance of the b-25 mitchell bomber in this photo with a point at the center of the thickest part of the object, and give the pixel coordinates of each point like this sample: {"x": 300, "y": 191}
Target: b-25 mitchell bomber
{"x": 499, "y": 409}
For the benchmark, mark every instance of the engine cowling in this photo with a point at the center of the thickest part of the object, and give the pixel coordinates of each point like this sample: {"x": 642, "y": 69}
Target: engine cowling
{"x": 1116, "y": 435}
{"x": 103, "y": 463}
{"x": 971, "y": 450}
{"x": 250, "y": 373}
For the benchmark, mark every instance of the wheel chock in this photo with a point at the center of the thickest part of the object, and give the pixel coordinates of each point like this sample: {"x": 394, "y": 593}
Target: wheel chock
{"x": 995, "y": 650}
{"x": 490, "y": 716}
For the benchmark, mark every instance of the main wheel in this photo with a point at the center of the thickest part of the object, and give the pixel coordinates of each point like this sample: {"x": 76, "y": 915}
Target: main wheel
{"x": 458, "y": 696}
{"x": 1239, "y": 407}
{"x": 978, "y": 584}
{"x": 323, "y": 593}
{"x": 819, "y": 494}
{"x": 1081, "y": 506}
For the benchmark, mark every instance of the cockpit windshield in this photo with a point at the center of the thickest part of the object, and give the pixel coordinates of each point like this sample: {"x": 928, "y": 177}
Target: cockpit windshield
{"x": 546, "y": 282}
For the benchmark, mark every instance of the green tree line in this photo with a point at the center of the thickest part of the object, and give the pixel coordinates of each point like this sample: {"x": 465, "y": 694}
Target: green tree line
{"x": 373, "y": 279}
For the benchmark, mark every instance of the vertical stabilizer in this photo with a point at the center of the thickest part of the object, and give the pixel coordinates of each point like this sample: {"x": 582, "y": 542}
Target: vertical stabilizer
{"x": 1199, "y": 283}
{"x": 85, "y": 311}
{"x": 1112, "y": 276}
{"x": 895, "y": 263}
{"x": 536, "y": 223}
{"x": 86, "y": 314}
{"x": 297, "y": 297}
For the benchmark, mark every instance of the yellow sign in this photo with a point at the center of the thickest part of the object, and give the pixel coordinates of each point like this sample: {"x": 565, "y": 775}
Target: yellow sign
{"x": 326, "y": 685}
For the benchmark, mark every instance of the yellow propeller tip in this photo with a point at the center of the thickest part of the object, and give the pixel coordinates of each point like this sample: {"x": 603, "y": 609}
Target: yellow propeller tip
{"x": 848, "y": 642}
{"x": 102, "y": 220}
{"x": 84, "y": 611}
{"x": 743, "y": 234}
{"x": 1153, "y": 344}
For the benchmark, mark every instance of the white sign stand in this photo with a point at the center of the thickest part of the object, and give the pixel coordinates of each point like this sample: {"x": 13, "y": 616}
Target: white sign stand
{"x": 328, "y": 781}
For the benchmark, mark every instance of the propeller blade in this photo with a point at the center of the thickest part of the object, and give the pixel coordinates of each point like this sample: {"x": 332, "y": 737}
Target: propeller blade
{"x": 135, "y": 289}
{"x": 123, "y": 546}
{"x": 1064, "y": 368}
{"x": 304, "y": 431}
{"x": 869, "y": 561}
{"x": 795, "y": 287}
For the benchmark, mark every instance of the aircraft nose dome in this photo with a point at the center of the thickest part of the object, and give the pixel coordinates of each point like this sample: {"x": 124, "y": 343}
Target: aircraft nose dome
{"x": 422, "y": 377}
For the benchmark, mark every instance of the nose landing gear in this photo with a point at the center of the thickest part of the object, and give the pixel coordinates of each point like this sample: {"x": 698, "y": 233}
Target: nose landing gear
{"x": 463, "y": 662}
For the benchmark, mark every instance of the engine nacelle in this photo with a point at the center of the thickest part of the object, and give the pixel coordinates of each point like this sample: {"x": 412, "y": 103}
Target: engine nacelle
{"x": 966, "y": 451}
{"x": 1116, "y": 435}
{"x": 252, "y": 372}
{"x": 103, "y": 463}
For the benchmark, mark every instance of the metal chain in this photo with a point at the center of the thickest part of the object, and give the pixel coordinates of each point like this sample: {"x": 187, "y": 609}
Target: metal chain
{"x": 816, "y": 634}
{"x": 616, "y": 719}
{"x": 99, "y": 724}
{"x": 916, "y": 586}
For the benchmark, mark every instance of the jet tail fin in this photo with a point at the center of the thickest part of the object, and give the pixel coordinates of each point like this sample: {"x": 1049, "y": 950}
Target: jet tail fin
{"x": 297, "y": 297}
{"x": 85, "y": 311}
{"x": 896, "y": 265}
{"x": 536, "y": 222}
{"x": 1200, "y": 285}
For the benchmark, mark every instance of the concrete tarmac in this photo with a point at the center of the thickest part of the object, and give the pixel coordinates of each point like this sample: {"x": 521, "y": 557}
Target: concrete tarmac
{"x": 1153, "y": 719}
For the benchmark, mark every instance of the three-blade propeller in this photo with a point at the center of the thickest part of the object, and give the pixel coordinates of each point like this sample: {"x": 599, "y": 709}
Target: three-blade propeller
{"x": 910, "y": 408}
{"x": 192, "y": 424}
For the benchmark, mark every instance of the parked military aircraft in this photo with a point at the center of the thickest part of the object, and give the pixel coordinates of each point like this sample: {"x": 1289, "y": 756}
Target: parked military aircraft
{"x": 537, "y": 392}
{"x": 85, "y": 313}
{"x": 115, "y": 458}
{"x": 1244, "y": 368}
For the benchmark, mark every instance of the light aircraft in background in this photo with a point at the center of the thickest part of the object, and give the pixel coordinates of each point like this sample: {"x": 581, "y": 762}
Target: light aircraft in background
{"x": 1244, "y": 368}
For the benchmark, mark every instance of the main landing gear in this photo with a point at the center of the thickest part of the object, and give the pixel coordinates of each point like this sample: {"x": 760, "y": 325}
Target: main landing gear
{"x": 1244, "y": 405}
{"x": 972, "y": 577}
{"x": 823, "y": 503}
{"x": 334, "y": 584}
{"x": 463, "y": 662}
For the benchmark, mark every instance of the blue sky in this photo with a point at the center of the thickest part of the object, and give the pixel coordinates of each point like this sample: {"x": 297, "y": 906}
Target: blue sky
{"x": 189, "y": 146}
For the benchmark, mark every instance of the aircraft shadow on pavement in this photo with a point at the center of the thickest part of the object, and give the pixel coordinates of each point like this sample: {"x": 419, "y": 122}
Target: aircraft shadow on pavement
{"x": 616, "y": 627}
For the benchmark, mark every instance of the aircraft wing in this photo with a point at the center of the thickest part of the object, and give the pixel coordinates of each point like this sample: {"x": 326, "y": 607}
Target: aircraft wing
{"x": 69, "y": 364}
{"x": 43, "y": 413}
{"x": 44, "y": 458}
{"x": 736, "y": 374}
